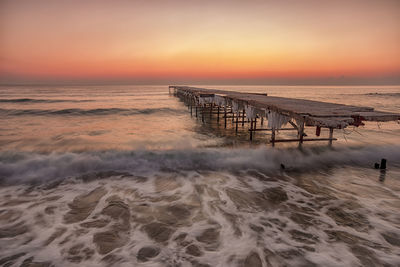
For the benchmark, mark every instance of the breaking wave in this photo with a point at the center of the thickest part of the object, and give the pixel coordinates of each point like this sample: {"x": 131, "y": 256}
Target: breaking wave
{"x": 24, "y": 167}
{"x": 86, "y": 112}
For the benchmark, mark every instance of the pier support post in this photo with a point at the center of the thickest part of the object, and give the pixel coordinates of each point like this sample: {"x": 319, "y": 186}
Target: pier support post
{"x": 218, "y": 114}
{"x": 255, "y": 125}
{"x": 211, "y": 110}
{"x": 237, "y": 122}
{"x": 202, "y": 114}
{"x": 196, "y": 110}
{"x": 301, "y": 133}
{"x": 330, "y": 136}
{"x": 243, "y": 117}
{"x": 251, "y": 130}
{"x": 273, "y": 137}
{"x": 225, "y": 116}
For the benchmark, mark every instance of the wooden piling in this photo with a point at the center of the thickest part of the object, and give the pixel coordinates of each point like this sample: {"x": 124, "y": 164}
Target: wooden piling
{"x": 330, "y": 136}
{"x": 255, "y": 125}
{"x": 273, "y": 137}
{"x": 301, "y": 133}
{"x": 251, "y": 130}
{"x": 383, "y": 164}
{"x": 237, "y": 122}
{"x": 225, "y": 116}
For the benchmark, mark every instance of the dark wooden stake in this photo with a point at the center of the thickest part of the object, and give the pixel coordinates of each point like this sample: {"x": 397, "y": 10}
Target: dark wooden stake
{"x": 301, "y": 133}
{"x": 251, "y": 130}
{"x": 225, "y": 116}
{"x": 237, "y": 122}
{"x": 273, "y": 137}
{"x": 383, "y": 164}
{"x": 330, "y": 136}
{"x": 255, "y": 125}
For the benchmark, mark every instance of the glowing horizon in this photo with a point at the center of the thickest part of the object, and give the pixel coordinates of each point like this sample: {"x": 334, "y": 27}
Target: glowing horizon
{"x": 356, "y": 41}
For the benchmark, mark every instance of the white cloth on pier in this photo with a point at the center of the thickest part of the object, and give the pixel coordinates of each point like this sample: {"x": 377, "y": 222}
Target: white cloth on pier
{"x": 235, "y": 107}
{"x": 251, "y": 112}
{"x": 206, "y": 100}
{"x": 299, "y": 122}
{"x": 276, "y": 120}
{"x": 219, "y": 100}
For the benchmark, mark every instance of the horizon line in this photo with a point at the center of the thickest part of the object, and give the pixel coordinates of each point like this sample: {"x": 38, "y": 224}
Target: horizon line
{"x": 194, "y": 83}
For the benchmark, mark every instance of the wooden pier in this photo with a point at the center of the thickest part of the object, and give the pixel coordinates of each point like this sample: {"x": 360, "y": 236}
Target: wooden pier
{"x": 251, "y": 108}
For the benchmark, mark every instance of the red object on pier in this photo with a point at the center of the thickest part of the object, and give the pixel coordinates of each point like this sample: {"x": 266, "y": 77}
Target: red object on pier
{"x": 357, "y": 121}
{"x": 318, "y": 131}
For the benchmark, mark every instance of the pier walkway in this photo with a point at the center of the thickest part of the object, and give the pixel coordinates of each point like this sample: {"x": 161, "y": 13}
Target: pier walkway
{"x": 278, "y": 111}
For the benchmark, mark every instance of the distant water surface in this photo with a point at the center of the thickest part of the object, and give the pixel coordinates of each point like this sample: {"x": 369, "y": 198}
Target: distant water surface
{"x": 122, "y": 175}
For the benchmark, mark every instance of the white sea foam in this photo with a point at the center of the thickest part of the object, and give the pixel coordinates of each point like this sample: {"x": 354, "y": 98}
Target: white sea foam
{"x": 215, "y": 200}
{"x": 34, "y": 167}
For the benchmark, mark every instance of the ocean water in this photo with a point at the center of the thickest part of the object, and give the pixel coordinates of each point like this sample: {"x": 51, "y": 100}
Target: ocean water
{"x": 125, "y": 176}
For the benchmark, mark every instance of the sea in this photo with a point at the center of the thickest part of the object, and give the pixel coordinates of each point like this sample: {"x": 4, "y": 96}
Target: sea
{"x": 126, "y": 175}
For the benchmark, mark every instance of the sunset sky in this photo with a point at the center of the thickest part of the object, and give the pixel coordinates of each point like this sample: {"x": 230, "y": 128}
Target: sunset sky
{"x": 184, "y": 41}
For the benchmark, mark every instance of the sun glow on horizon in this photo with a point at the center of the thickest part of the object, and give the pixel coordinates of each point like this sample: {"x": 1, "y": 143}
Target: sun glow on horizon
{"x": 193, "y": 40}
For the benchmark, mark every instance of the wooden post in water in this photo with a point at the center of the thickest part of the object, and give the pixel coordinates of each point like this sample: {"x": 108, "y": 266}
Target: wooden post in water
{"x": 251, "y": 130}
{"x": 225, "y": 116}
{"x": 237, "y": 122}
{"x": 202, "y": 113}
{"x": 211, "y": 110}
{"x": 330, "y": 136}
{"x": 196, "y": 110}
{"x": 301, "y": 133}
{"x": 255, "y": 125}
{"x": 218, "y": 114}
{"x": 273, "y": 137}
{"x": 243, "y": 117}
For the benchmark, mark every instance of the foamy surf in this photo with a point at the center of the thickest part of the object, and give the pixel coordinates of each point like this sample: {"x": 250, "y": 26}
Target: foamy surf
{"x": 196, "y": 219}
{"x": 28, "y": 167}
{"x": 201, "y": 207}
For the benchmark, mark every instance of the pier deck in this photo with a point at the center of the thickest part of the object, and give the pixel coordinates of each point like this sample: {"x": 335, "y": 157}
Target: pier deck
{"x": 297, "y": 112}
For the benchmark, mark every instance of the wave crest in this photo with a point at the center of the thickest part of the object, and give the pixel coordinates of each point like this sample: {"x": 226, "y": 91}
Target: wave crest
{"x": 33, "y": 167}
{"x": 85, "y": 112}
{"x": 32, "y": 100}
